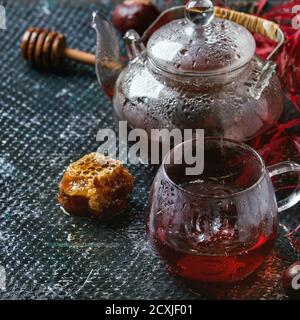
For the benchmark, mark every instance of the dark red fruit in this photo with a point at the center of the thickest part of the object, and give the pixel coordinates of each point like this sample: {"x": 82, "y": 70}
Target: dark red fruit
{"x": 291, "y": 279}
{"x": 134, "y": 14}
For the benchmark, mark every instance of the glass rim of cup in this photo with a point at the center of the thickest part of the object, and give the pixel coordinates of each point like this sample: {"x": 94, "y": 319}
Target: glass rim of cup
{"x": 243, "y": 145}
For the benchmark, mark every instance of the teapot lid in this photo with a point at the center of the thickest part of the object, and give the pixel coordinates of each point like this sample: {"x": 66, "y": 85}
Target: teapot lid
{"x": 200, "y": 43}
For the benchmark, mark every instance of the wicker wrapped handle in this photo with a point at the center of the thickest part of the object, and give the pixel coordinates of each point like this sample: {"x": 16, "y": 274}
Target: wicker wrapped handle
{"x": 250, "y": 22}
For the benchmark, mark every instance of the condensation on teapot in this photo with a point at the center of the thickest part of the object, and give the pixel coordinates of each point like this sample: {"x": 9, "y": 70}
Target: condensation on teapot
{"x": 191, "y": 69}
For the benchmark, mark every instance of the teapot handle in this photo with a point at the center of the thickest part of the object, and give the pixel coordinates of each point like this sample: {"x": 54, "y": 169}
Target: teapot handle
{"x": 250, "y": 22}
{"x": 255, "y": 24}
{"x": 264, "y": 27}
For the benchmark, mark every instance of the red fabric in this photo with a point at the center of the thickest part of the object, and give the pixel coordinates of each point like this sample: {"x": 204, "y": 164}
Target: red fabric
{"x": 288, "y": 61}
{"x": 289, "y": 58}
{"x": 279, "y": 142}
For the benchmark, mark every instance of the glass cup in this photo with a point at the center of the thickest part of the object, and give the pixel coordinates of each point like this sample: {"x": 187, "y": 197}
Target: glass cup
{"x": 218, "y": 226}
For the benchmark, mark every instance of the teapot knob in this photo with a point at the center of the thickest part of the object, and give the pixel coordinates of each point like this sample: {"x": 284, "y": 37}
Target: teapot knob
{"x": 199, "y": 12}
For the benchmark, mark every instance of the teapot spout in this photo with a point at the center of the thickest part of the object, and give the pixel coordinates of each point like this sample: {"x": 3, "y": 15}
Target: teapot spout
{"x": 108, "y": 64}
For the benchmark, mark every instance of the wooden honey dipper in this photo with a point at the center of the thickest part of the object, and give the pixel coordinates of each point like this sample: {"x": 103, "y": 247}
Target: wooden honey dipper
{"x": 48, "y": 48}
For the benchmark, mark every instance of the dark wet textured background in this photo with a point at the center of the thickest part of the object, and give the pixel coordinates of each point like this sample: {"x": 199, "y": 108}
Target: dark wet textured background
{"x": 48, "y": 120}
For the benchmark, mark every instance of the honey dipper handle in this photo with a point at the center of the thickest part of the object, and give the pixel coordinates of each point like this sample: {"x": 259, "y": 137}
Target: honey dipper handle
{"x": 80, "y": 56}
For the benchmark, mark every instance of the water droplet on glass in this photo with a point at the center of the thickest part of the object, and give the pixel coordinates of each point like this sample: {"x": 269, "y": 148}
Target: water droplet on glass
{"x": 183, "y": 51}
{"x": 243, "y": 203}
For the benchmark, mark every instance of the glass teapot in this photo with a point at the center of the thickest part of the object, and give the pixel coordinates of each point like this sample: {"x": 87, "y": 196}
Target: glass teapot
{"x": 194, "y": 68}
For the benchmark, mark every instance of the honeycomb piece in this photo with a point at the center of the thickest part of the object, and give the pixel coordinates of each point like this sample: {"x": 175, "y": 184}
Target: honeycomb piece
{"x": 95, "y": 186}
